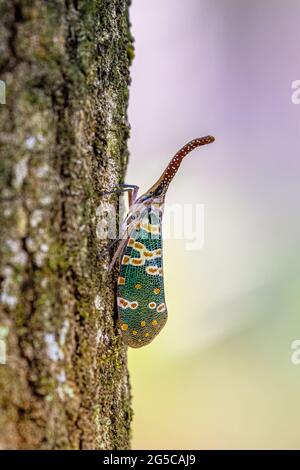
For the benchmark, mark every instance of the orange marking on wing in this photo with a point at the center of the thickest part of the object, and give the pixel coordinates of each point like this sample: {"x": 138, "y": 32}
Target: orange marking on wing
{"x": 123, "y": 303}
{"x": 139, "y": 246}
{"x": 161, "y": 308}
{"x": 134, "y": 305}
{"x": 136, "y": 261}
{"x": 121, "y": 281}
{"x": 125, "y": 259}
{"x": 131, "y": 242}
{"x": 152, "y": 270}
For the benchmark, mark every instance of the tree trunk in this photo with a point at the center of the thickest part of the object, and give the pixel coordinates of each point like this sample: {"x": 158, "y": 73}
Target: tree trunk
{"x": 64, "y": 381}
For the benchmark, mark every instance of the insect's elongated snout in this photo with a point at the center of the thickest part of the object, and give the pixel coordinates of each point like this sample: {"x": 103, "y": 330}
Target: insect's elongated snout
{"x": 209, "y": 139}
{"x": 160, "y": 188}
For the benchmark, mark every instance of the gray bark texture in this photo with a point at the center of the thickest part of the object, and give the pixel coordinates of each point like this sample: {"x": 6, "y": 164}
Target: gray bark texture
{"x": 64, "y": 130}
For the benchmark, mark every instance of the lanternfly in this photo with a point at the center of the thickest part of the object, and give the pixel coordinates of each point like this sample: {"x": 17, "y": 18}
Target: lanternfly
{"x": 141, "y": 299}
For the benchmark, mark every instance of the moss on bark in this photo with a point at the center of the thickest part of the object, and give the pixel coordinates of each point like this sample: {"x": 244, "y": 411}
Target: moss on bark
{"x": 63, "y": 140}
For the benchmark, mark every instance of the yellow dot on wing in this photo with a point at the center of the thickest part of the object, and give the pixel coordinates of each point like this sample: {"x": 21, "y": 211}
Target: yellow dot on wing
{"x": 146, "y": 335}
{"x": 134, "y": 332}
{"x": 154, "y": 323}
{"x": 124, "y": 327}
{"x": 156, "y": 290}
{"x": 143, "y": 323}
{"x": 138, "y": 286}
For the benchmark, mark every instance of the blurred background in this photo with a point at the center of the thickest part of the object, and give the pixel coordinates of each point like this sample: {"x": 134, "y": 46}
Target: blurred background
{"x": 220, "y": 374}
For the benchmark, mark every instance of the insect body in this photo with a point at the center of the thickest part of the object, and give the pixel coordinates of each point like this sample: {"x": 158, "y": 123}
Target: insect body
{"x": 141, "y": 301}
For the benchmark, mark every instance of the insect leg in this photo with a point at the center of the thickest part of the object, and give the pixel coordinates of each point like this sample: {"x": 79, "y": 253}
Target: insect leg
{"x": 115, "y": 191}
{"x": 132, "y": 190}
{"x": 108, "y": 248}
{"x": 118, "y": 253}
{"x": 127, "y": 231}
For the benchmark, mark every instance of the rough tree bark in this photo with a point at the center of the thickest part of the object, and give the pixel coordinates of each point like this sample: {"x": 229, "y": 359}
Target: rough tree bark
{"x": 63, "y": 137}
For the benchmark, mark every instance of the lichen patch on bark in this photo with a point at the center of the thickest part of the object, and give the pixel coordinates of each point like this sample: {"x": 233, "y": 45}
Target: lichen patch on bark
{"x": 63, "y": 142}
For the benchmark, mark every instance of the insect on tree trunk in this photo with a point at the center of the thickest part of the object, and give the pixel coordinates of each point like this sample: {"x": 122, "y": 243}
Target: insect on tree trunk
{"x": 63, "y": 367}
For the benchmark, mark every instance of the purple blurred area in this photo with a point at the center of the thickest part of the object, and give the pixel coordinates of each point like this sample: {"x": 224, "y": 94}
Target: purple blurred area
{"x": 222, "y": 67}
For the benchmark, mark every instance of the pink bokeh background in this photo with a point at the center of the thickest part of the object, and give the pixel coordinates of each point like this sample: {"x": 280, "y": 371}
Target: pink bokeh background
{"x": 220, "y": 374}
